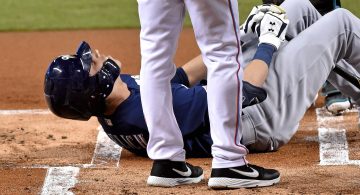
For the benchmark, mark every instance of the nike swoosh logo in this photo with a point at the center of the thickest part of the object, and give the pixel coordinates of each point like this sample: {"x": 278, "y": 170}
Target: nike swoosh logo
{"x": 182, "y": 173}
{"x": 252, "y": 174}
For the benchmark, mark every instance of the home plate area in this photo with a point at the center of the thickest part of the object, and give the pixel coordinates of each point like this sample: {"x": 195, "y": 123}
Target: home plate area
{"x": 43, "y": 154}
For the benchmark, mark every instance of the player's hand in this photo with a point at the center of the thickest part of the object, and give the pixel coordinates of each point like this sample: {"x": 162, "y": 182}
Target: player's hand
{"x": 272, "y": 29}
{"x": 247, "y": 29}
{"x": 98, "y": 61}
{"x": 256, "y": 15}
{"x": 102, "y": 58}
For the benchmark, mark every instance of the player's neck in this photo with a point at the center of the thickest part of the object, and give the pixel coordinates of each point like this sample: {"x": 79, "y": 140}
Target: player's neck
{"x": 119, "y": 94}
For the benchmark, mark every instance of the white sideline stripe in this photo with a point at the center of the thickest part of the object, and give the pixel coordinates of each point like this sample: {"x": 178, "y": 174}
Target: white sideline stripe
{"x": 106, "y": 154}
{"x": 106, "y": 151}
{"x": 30, "y": 111}
{"x": 40, "y": 166}
{"x": 59, "y": 180}
{"x": 333, "y": 143}
{"x": 333, "y": 146}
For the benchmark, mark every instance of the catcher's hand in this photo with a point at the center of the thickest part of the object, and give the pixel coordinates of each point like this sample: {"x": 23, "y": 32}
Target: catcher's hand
{"x": 272, "y": 29}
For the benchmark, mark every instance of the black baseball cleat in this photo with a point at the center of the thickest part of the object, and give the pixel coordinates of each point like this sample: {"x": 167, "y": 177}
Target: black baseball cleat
{"x": 166, "y": 173}
{"x": 246, "y": 176}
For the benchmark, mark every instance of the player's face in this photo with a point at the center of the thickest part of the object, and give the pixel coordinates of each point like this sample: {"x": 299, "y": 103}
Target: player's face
{"x": 98, "y": 61}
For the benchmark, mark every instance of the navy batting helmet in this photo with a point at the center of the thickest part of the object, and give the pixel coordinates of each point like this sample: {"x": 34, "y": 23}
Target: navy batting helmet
{"x": 70, "y": 92}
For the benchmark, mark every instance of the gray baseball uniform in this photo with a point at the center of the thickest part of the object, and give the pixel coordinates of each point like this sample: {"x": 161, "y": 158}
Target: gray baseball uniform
{"x": 298, "y": 70}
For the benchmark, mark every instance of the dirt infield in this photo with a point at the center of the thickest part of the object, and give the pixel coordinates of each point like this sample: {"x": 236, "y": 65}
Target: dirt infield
{"x": 32, "y": 142}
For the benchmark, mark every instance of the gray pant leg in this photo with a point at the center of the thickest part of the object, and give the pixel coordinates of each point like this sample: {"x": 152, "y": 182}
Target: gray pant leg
{"x": 298, "y": 72}
{"x": 301, "y": 14}
{"x": 343, "y": 85}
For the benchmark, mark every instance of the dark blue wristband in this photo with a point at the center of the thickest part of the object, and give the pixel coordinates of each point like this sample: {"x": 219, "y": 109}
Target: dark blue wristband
{"x": 265, "y": 53}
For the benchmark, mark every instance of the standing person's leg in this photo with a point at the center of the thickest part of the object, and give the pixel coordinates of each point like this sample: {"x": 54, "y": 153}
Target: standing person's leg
{"x": 217, "y": 36}
{"x": 161, "y": 23}
{"x": 216, "y": 29}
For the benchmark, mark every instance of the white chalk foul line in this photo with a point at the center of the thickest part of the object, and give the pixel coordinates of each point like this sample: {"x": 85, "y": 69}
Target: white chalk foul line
{"x": 333, "y": 146}
{"x": 31, "y": 111}
{"x": 59, "y": 180}
{"x": 333, "y": 143}
{"x": 107, "y": 152}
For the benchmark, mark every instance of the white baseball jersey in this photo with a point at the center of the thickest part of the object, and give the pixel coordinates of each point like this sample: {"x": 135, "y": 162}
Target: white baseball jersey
{"x": 215, "y": 24}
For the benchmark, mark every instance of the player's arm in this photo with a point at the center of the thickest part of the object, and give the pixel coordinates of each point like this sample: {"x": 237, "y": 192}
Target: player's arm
{"x": 195, "y": 70}
{"x": 270, "y": 25}
{"x": 271, "y": 32}
{"x": 255, "y": 73}
{"x": 190, "y": 73}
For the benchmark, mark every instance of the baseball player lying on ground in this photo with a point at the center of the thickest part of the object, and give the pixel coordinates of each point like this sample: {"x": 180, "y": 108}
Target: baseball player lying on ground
{"x": 296, "y": 72}
{"x": 122, "y": 117}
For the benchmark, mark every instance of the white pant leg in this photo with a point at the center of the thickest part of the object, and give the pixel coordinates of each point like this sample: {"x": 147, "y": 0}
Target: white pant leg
{"x": 215, "y": 23}
{"x": 161, "y": 24}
